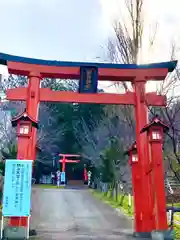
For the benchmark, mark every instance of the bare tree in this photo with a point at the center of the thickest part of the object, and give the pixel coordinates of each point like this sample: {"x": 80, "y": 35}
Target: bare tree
{"x": 50, "y": 132}
{"x": 171, "y": 116}
{"x": 126, "y": 48}
{"x": 7, "y": 133}
{"x": 95, "y": 144}
{"x": 128, "y": 35}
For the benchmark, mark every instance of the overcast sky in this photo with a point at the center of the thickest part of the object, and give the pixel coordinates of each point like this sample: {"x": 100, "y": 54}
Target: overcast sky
{"x": 78, "y": 30}
{"x": 52, "y": 29}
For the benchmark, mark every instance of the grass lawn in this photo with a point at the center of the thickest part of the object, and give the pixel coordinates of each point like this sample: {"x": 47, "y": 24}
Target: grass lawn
{"x": 113, "y": 203}
{"x": 176, "y": 218}
{"x": 48, "y": 186}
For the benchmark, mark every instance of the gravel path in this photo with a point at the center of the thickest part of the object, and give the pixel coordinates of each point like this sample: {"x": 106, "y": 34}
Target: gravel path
{"x": 75, "y": 214}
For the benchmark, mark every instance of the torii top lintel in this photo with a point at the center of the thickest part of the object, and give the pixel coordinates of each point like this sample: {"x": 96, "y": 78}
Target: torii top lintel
{"x": 71, "y": 70}
{"x": 69, "y": 155}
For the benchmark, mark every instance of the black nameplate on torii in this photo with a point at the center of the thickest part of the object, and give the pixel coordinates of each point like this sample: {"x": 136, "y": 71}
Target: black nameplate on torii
{"x": 88, "y": 82}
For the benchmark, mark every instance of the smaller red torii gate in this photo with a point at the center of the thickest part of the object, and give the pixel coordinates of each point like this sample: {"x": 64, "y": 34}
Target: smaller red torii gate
{"x": 64, "y": 160}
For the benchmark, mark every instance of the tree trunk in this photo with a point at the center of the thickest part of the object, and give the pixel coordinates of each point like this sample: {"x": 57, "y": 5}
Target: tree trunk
{"x": 122, "y": 199}
{"x": 116, "y": 191}
{"x": 1, "y": 188}
{"x": 112, "y": 190}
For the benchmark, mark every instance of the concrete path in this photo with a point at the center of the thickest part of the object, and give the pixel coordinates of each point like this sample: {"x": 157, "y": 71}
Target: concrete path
{"x": 75, "y": 214}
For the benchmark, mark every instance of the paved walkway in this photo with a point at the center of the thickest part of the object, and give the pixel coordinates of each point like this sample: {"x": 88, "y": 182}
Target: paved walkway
{"x": 75, "y": 214}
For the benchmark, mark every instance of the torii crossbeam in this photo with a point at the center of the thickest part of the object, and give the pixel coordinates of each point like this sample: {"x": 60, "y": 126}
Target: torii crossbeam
{"x": 138, "y": 75}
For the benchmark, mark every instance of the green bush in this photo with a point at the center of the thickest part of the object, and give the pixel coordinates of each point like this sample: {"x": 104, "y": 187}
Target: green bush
{"x": 177, "y": 231}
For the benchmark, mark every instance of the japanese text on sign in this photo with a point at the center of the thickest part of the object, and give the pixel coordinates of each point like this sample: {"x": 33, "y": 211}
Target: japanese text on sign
{"x": 88, "y": 79}
{"x": 17, "y": 188}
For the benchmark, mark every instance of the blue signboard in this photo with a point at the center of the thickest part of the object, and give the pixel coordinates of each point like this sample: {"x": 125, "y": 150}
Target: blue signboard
{"x": 88, "y": 82}
{"x": 17, "y": 188}
{"x": 63, "y": 177}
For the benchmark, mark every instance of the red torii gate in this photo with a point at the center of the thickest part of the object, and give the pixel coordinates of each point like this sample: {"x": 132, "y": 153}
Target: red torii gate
{"x": 138, "y": 75}
{"x": 65, "y": 160}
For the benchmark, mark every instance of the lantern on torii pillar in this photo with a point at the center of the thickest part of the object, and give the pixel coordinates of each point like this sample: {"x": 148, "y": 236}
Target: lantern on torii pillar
{"x": 24, "y": 123}
{"x": 155, "y": 132}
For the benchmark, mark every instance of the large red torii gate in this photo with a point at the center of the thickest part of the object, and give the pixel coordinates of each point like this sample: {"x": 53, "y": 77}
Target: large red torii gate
{"x": 138, "y": 75}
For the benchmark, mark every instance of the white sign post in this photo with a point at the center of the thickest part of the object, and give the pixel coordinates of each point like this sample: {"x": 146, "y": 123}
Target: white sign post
{"x": 58, "y": 178}
{"x": 89, "y": 178}
{"x": 129, "y": 202}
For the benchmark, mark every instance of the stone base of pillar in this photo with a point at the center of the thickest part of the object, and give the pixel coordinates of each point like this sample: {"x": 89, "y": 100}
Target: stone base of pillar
{"x": 143, "y": 235}
{"x": 17, "y": 233}
{"x": 155, "y": 235}
{"x": 164, "y": 235}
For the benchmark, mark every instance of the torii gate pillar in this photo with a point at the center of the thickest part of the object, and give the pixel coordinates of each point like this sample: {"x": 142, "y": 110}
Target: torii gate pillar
{"x": 32, "y": 105}
{"x": 145, "y": 182}
{"x": 136, "y": 185}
